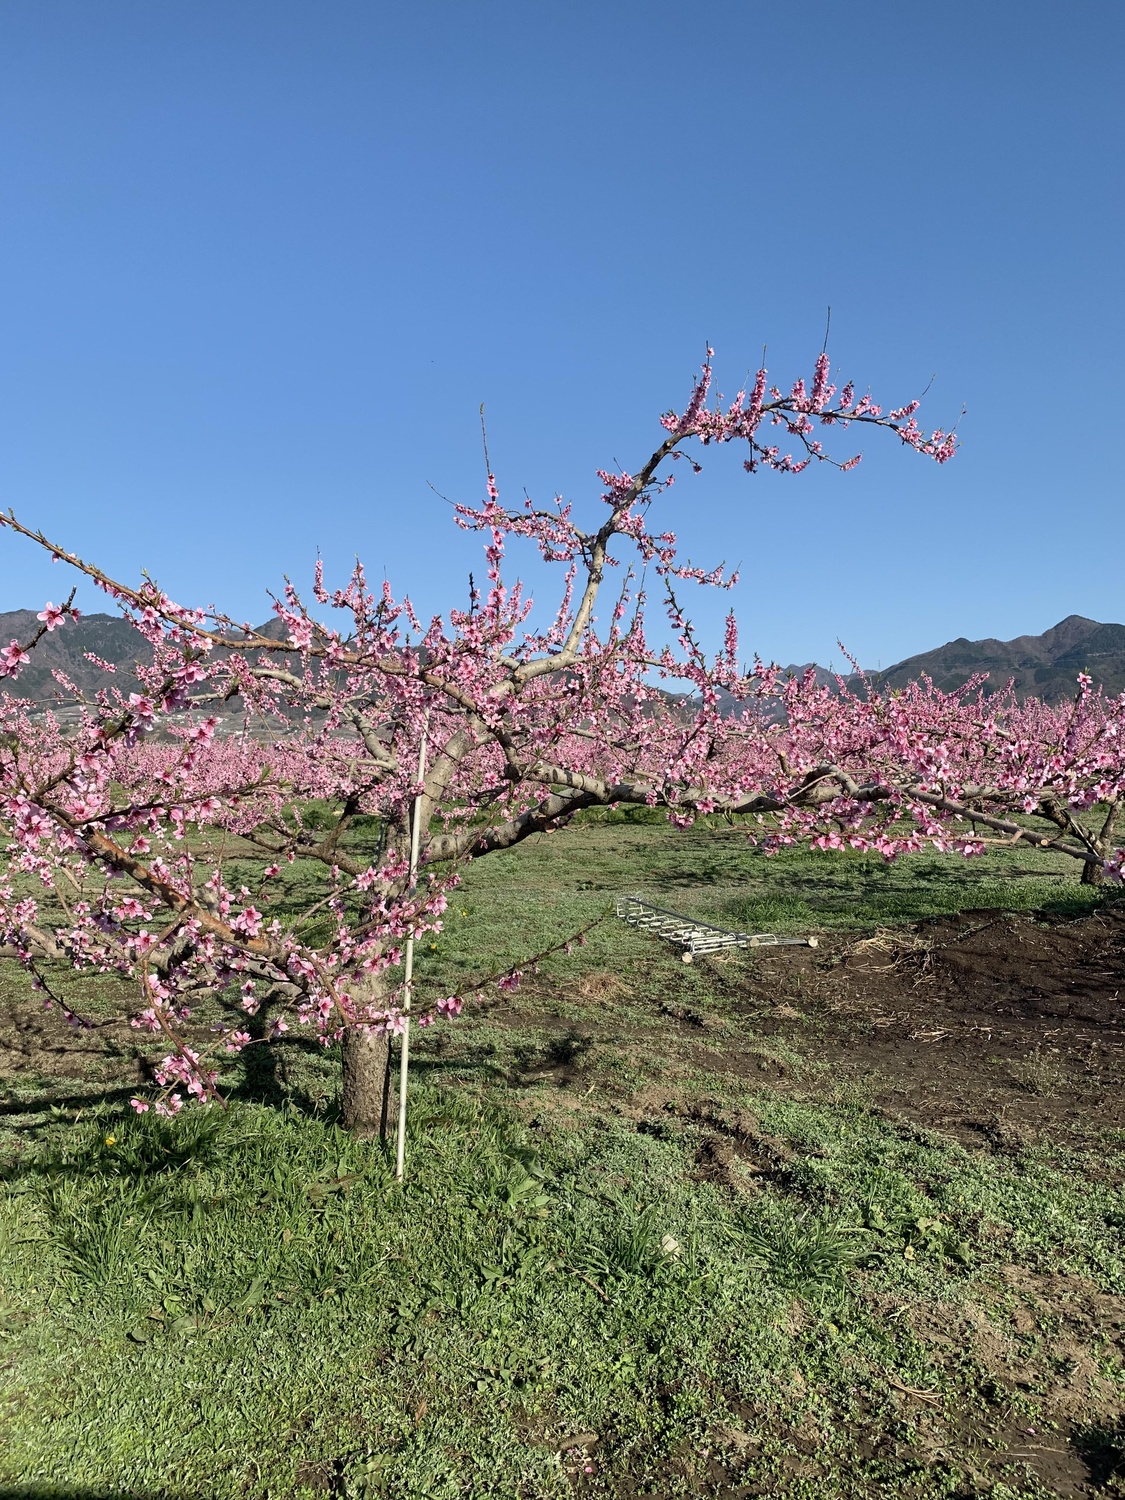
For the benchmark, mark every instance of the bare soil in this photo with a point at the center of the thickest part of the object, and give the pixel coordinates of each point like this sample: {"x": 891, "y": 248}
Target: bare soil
{"x": 995, "y": 1029}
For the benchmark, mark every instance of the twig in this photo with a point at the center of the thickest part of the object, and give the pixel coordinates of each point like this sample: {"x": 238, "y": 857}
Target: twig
{"x": 593, "y": 1285}
{"x": 909, "y": 1390}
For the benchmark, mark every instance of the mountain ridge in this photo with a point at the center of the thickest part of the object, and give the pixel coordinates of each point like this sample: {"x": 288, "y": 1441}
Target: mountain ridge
{"x": 1045, "y": 666}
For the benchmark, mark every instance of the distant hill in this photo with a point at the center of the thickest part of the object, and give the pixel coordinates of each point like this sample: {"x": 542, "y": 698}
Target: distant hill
{"x": 1043, "y": 666}
{"x": 107, "y": 636}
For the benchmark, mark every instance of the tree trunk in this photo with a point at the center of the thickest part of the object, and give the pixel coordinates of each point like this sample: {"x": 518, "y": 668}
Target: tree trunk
{"x": 1093, "y": 871}
{"x": 366, "y": 1100}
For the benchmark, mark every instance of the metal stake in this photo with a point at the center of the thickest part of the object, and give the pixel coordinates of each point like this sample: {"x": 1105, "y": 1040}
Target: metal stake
{"x": 408, "y": 978}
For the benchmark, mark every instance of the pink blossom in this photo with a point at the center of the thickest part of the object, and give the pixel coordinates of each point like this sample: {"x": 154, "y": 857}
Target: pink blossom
{"x": 142, "y": 707}
{"x": 248, "y": 922}
{"x": 51, "y": 615}
{"x": 12, "y": 658}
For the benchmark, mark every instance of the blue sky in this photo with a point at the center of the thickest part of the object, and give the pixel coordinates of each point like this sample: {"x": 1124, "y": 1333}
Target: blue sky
{"x": 260, "y": 264}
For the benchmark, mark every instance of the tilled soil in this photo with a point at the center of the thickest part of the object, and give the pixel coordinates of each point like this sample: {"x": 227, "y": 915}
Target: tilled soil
{"x": 990, "y": 1027}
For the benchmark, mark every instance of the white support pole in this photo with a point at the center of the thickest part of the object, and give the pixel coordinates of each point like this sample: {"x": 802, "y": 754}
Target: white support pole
{"x": 408, "y": 977}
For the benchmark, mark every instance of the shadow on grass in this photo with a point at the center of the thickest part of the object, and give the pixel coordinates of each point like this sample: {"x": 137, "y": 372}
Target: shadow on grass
{"x": 266, "y": 1081}
{"x": 521, "y": 1066}
{"x": 98, "y": 1492}
{"x": 1065, "y": 905}
{"x": 154, "y": 1148}
{"x": 55, "y": 1101}
{"x": 269, "y": 1075}
{"x": 564, "y": 1051}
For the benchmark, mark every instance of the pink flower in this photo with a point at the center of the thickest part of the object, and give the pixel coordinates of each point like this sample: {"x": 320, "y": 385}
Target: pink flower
{"x": 203, "y": 733}
{"x": 300, "y": 635}
{"x": 51, "y": 615}
{"x": 12, "y": 658}
{"x": 143, "y": 707}
{"x": 248, "y": 922}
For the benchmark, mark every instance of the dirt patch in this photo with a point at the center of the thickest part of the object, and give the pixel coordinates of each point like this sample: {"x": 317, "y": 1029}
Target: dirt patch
{"x": 991, "y": 1027}
{"x": 735, "y": 1150}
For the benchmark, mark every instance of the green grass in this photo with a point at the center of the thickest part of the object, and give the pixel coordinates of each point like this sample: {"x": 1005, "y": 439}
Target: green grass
{"x": 229, "y": 1304}
{"x": 243, "y": 1303}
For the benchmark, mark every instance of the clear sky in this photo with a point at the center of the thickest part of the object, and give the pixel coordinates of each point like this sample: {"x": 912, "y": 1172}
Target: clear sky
{"x": 260, "y": 263}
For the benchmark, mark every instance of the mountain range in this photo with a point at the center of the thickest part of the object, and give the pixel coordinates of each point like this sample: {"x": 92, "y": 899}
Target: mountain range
{"x": 1042, "y": 665}
{"x": 108, "y": 637}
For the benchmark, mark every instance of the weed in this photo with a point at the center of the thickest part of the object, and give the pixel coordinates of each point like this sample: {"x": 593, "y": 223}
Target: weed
{"x": 633, "y": 1246}
{"x": 1040, "y": 1074}
{"x": 803, "y": 1255}
{"x": 97, "y": 1236}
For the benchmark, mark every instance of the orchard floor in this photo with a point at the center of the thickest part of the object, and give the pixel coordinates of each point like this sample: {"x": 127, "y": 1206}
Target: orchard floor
{"x": 993, "y": 1028}
{"x": 892, "y": 1169}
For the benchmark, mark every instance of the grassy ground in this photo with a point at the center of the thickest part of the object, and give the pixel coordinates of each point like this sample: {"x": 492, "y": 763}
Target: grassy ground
{"x": 568, "y": 1297}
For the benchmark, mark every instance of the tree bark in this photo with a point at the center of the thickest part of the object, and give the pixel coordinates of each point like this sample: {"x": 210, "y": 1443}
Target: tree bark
{"x": 1093, "y": 871}
{"x": 366, "y": 1100}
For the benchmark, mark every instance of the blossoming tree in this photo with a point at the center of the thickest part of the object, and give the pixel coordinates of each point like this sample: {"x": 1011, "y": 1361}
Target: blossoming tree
{"x": 898, "y": 771}
{"x": 122, "y": 843}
